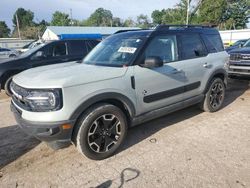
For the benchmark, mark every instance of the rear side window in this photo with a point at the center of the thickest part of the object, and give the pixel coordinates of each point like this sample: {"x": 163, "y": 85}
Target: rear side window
{"x": 77, "y": 47}
{"x": 81, "y": 47}
{"x": 213, "y": 43}
{"x": 192, "y": 46}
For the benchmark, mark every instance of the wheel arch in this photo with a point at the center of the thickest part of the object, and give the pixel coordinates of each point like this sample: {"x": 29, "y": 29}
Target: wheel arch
{"x": 220, "y": 73}
{"x": 117, "y": 99}
{"x": 8, "y": 74}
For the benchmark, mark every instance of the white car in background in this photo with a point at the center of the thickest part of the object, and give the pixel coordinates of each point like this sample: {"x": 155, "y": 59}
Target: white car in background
{"x": 7, "y": 53}
{"x": 31, "y": 45}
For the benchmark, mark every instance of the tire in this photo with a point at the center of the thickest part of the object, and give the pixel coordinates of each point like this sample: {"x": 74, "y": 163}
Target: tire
{"x": 214, "y": 96}
{"x": 100, "y": 131}
{"x": 7, "y": 86}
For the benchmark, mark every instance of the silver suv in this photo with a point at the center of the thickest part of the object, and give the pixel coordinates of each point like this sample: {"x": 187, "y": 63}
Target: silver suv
{"x": 129, "y": 78}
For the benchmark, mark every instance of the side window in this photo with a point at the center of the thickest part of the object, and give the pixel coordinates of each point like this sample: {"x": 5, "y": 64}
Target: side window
{"x": 213, "y": 43}
{"x": 58, "y": 49}
{"x": 164, "y": 47}
{"x": 192, "y": 46}
{"x": 77, "y": 48}
{"x": 5, "y": 50}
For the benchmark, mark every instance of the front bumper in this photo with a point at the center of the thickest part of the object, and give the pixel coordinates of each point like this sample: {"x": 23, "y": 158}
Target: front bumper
{"x": 54, "y": 133}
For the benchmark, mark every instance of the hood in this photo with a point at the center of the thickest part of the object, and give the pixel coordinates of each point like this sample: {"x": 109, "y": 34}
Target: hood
{"x": 244, "y": 50}
{"x": 66, "y": 75}
{"x": 231, "y": 48}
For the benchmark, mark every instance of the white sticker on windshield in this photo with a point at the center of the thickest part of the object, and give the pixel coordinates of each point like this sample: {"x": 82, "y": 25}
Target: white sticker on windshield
{"x": 130, "y": 50}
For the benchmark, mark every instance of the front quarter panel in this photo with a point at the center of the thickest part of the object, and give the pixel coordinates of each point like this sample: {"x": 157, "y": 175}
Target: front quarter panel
{"x": 75, "y": 96}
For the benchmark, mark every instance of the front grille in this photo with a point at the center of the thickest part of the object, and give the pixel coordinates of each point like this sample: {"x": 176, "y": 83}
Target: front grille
{"x": 235, "y": 57}
{"x": 18, "y": 96}
{"x": 240, "y": 59}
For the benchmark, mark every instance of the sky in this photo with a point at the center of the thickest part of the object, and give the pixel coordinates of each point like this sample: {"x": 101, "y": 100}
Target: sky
{"x": 81, "y": 9}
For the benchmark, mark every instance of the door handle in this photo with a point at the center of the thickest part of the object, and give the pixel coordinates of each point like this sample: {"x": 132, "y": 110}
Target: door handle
{"x": 65, "y": 59}
{"x": 207, "y": 65}
{"x": 176, "y": 71}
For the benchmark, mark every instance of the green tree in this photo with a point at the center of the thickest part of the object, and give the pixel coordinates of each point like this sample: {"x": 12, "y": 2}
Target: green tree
{"x": 143, "y": 21}
{"x": 236, "y": 15}
{"x": 25, "y": 18}
{"x": 129, "y": 22}
{"x": 4, "y": 30}
{"x": 212, "y": 11}
{"x": 157, "y": 16}
{"x": 60, "y": 19}
{"x": 116, "y": 22}
{"x": 101, "y": 17}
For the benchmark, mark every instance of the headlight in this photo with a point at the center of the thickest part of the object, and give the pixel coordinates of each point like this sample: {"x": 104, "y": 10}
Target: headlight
{"x": 42, "y": 101}
{"x": 37, "y": 100}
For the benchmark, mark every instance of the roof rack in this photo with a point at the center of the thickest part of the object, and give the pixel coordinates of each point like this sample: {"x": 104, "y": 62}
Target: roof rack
{"x": 127, "y": 30}
{"x": 160, "y": 27}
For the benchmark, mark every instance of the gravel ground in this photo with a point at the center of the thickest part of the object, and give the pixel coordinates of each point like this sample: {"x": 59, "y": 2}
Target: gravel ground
{"x": 188, "y": 148}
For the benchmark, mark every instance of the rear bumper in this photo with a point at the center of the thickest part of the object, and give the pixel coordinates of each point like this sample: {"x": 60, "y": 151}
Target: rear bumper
{"x": 53, "y": 133}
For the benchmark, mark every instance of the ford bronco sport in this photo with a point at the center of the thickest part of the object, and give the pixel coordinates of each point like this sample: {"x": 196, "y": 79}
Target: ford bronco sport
{"x": 129, "y": 78}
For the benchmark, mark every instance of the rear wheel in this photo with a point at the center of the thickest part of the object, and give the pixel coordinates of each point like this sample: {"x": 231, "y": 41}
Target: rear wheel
{"x": 101, "y": 130}
{"x": 215, "y": 96}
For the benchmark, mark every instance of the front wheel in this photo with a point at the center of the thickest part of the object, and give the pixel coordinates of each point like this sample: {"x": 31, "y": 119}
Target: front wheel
{"x": 101, "y": 130}
{"x": 214, "y": 96}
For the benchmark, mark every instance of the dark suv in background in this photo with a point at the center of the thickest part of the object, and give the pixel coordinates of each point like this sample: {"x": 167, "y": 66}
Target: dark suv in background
{"x": 239, "y": 63}
{"x": 61, "y": 51}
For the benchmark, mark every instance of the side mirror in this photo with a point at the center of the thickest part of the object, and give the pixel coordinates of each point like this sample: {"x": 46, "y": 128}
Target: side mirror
{"x": 241, "y": 45}
{"x": 151, "y": 62}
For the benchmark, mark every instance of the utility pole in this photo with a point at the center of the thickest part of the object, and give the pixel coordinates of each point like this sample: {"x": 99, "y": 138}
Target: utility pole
{"x": 187, "y": 18}
{"x": 18, "y": 29}
{"x": 71, "y": 17}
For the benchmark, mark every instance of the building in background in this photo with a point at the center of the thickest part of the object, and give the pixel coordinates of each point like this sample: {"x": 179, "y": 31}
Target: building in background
{"x": 230, "y": 36}
{"x": 70, "y": 32}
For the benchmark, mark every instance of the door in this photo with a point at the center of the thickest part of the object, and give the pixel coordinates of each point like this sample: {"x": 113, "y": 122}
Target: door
{"x": 193, "y": 55}
{"x": 53, "y": 53}
{"x": 160, "y": 86}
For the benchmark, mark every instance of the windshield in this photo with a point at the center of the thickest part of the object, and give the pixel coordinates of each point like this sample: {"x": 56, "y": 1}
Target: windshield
{"x": 114, "y": 51}
{"x": 32, "y": 50}
{"x": 247, "y": 44}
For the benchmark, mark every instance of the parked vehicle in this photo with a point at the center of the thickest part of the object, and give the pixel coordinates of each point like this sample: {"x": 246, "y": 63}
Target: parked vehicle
{"x": 239, "y": 63}
{"x": 8, "y": 53}
{"x": 127, "y": 79}
{"x": 31, "y": 45}
{"x": 237, "y": 44}
{"x": 44, "y": 54}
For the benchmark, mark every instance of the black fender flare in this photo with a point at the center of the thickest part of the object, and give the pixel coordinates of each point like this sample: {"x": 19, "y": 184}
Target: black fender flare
{"x": 217, "y": 72}
{"x": 128, "y": 104}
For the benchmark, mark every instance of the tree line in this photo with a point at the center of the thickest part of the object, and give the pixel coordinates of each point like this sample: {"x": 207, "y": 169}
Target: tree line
{"x": 225, "y": 14}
